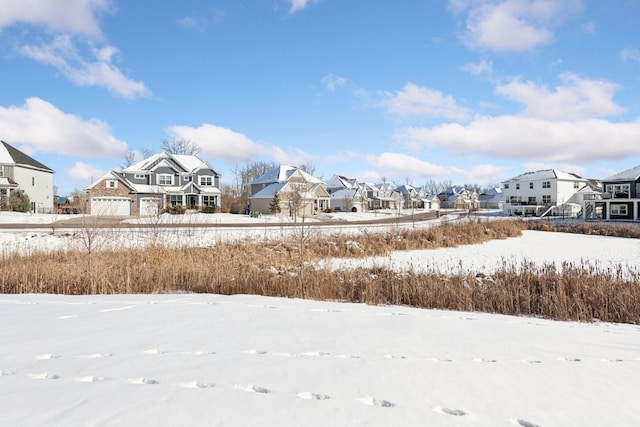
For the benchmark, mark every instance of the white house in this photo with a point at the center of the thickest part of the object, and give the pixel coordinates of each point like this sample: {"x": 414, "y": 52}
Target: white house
{"x": 543, "y": 192}
{"x": 347, "y": 194}
{"x": 21, "y": 171}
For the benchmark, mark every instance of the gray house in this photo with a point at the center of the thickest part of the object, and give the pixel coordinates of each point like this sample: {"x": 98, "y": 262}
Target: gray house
{"x": 154, "y": 184}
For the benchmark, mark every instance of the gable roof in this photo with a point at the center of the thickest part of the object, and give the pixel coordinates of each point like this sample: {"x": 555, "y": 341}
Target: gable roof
{"x": 282, "y": 174}
{"x": 545, "y": 174}
{"x": 182, "y": 162}
{"x": 11, "y": 155}
{"x": 628, "y": 175}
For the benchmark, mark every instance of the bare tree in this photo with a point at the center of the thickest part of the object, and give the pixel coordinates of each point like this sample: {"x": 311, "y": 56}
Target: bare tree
{"x": 129, "y": 159}
{"x": 180, "y": 146}
{"x": 147, "y": 152}
{"x": 244, "y": 174}
{"x": 308, "y": 167}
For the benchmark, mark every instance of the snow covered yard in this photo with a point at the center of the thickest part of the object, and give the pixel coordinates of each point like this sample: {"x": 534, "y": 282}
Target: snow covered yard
{"x": 249, "y": 360}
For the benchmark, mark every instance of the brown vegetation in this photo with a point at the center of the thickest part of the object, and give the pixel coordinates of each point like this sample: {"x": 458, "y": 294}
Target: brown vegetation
{"x": 286, "y": 269}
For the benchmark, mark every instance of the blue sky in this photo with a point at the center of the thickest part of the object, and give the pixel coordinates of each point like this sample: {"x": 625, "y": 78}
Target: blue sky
{"x": 463, "y": 90}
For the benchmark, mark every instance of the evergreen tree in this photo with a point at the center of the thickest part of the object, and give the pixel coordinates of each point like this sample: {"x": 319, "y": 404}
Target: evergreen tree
{"x": 274, "y": 206}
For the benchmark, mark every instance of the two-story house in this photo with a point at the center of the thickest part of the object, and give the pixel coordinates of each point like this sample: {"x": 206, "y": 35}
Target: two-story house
{"x": 289, "y": 190}
{"x": 543, "y": 192}
{"x": 19, "y": 171}
{"x": 148, "y": 187}
{"x": 346, "y": 194}
{"x": 620, "y": 199}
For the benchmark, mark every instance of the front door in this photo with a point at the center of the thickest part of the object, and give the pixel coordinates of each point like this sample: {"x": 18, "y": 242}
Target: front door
{"x": 192, "y": 201}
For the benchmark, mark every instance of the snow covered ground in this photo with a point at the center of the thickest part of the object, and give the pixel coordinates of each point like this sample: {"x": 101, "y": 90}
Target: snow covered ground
{"x": 203, "y": 360}
{"x": 207, "y": 360}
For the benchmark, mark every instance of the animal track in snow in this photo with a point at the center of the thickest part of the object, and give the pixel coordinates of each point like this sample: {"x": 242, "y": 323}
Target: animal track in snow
{"x": 439, "y": 359}
{"x": 95, "y": 355}
{"x": 612, "y": 360}
{"x": 483, "y": 360}
{"x": 393, "y": 356}
{"x": 44, "y": 376}
{"x": 307, "y": 395}
{"x": 198, "y": 352}
{"x": 70, "y": 316}
{"x": 531, "y": 361}
{"x": 89, "y": 379}
{"x": 524, "y": 423}
{"x": 153, "y": 351}
{"x": 5, "y": 373}
{"x": 195, "y": 384}
{"x": 252, "y": 351}
{"x": 568, "y": 359}
{"x": 372, "y": 401}
{"x": 251, "y": 388}
{"x": 449, "y": 411}
{"x": 107, "y": 310}
{"x": 313, "y": 354}
{"x": 47, "y": 357}
{"x": 143, "y": 381}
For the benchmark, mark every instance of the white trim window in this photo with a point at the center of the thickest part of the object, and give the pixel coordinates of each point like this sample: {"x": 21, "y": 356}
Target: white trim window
{"x": 206, "y": 181}
{"x": 209, "y": 200}
{"x": 111, "y": 183}
{"x": 1, "y": 170}
{"x": 546, "y": 184}
{"x": 546, "y": 198}
{"x": 139, "y": 176}
{"x": 619, "y": 191}
{"x": 165, "y": 179}
{"x": 619, "y": 209}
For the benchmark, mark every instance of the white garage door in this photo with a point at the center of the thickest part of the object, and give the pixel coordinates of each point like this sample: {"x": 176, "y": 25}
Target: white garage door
{"x": 149, "y": 207}
{"x": 111, "y": 206}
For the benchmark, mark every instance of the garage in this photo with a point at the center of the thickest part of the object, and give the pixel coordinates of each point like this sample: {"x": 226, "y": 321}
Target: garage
{"x": 111, "y": 206}
{"x": 150, "y": 206}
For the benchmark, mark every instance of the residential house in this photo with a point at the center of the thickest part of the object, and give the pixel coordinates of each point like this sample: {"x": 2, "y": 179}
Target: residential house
{"x": 409, "y": 197}
{"x": 154, "y": 184}
{"x": 543, "y": 192}
{"x": 387, "y": 197}
{"x": 346, "y": 194}
{"x": 19, "y": 171}
{"x": 493, "y": 198}
{"x": 289, "y": 190}
{"x": 456, "y": 197}
{"x": 620, "y": 199}
{"x": 427, "y": 200}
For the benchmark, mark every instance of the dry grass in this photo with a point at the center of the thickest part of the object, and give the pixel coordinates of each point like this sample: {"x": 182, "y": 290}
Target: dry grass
{"x": 283, "y": 269}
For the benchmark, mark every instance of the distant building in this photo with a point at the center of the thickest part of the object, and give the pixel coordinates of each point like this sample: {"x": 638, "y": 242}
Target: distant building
{"x": 19, "y": 171}
{"x": 620, "y": 199}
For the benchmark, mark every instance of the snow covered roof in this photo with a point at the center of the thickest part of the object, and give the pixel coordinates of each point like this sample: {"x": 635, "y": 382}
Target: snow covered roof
{"x": 546, "y": 174}
{"x": 344, "y": 193}
{"x": 282, "y": 174}
{"x": 13, "y": 156}
{"x": 269, "y": 191}
{"x": 187, "y": 163}
{"x": 628, "y": 175}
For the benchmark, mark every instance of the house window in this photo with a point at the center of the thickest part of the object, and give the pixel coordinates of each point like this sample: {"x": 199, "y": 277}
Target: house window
{"x": 546, "y": 198}
{"x": 517, "y": 186}
{"x": 514, "y": 200}
{"x": 111, "y": 183}
{"x": 139, "y": 176}
{"x": 506, "y": 186}
{"x": 618, "y": 210}
{"x": 175, "y": 200}
{"x": 576, "y": 184}
{"x": 209, "y": 200}
{"x": 33, "y": 181}
{"x": 1, "y": 170}
{"x": 532, "y": 200}
{"x": 165, "y": 179}
{"x": 531, "y": 186}
{"x": 619, "y": 191}
{"x": 206, "y": 180}
{"x": 546, "y": 184}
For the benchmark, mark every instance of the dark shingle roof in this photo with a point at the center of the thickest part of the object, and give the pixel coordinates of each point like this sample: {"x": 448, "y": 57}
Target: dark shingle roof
{"x": 21, "y": 158}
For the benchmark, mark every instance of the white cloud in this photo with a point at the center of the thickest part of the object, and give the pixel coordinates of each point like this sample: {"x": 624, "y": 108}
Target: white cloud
{"x": 62, "y": 54}
{"x": 71, "y": 16}
{"x": 84, "y": 172}
{"x": 40, "y": 126}
{"x": 512, "y": 25}
{"x": 404, "y": 165}
{"x": 514, "y": 137}
{"x": 578, "y": 99}
{"x": 226, "y": 145}
{"x": 589, "y": 28}
{"x": 483, "y": 174}
{"x": 630, "y": 54}
{"x": 482, "y": 67}
{"x": 297, "y": 5}
{"x": 416, "y": 101}
{"x": 332, "y": 82}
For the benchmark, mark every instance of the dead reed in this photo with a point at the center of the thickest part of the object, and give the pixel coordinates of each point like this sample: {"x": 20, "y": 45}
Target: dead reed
{"x": 285, "y": 269}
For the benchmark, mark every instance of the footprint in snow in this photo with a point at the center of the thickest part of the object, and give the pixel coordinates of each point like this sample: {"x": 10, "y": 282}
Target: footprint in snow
{"x": 568, "y": 359}
{"x": 95, "y": 355}
{"x": 307, "y": 395}
{"x": 44, "y": 376}
{"x": 483, "y": 360}
{"x": 531, "y": 361}
{"x": 393, "y": 356}
{"x": 107, "y": 310}
{"x": 313, "y": 354}
{"x": 612, "y": 360}
{"x": 449, "y": 411}
{"x": 372, "y": 401}
{"x": 524, "y": 423}
{"x": 5, "y": 373}
{"x": 438, "y": 359}
{"x": 153, "y": 351}
{"x": 195, "y": 384}
{"x": 70, "y": 316}
{"x": 89, "y": 379}
{"x": 250, "y": 388}
{"x": 198, "y": 352}
{"x": 252, "y": 351}
{"x": 47, "y": 357}
{"x": 143, "y": 381}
